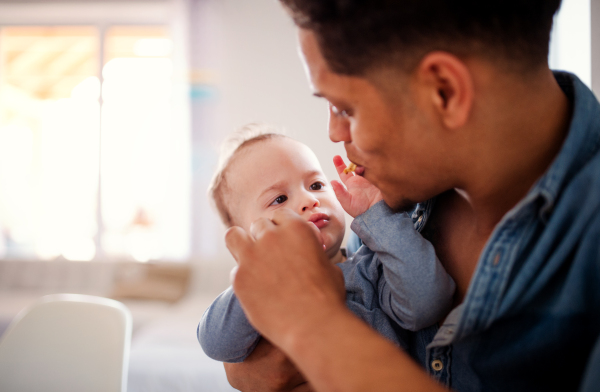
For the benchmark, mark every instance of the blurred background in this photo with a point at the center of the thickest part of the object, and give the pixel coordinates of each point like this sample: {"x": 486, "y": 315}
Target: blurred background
{"x": 111, "y": 117}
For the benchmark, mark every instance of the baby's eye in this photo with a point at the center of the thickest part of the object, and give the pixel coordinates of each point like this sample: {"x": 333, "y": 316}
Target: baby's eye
{"x": 279, "y": 200}
{"x": 317, "y": 186}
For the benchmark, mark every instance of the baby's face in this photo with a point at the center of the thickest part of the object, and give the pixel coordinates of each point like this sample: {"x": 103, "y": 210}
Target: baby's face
{"x": 283, "y": 173}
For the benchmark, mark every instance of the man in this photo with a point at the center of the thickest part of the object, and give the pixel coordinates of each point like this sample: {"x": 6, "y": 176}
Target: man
{"x": 451, "y": 102}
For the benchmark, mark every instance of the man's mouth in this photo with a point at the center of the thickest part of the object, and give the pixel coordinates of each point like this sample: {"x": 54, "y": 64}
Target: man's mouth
{"x": 359, "y": 170}
{"x": 319, "y": 219}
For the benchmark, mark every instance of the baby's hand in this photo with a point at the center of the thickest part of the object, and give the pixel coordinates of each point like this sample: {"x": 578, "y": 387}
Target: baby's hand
{"x": 356, "y": 194}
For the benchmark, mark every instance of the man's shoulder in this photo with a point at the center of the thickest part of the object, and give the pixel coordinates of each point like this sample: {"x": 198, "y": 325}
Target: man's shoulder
{"x": 583, "y": 189}
{"x": 576, "y": 220}
{"x": 578, "y": 205}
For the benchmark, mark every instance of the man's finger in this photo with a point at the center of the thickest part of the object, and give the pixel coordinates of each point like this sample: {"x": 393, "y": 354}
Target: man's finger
{"x": 232, "y": 273}
{"x": 283, "y": 215}
{"x": 318, "y": 234}
{"x": 304, "y": 387}
{"x": 237, "y": 241}
{"x": 259, "y": 226}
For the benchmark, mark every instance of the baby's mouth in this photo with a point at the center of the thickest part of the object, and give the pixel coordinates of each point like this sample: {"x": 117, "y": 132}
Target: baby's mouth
{"x": 319, "y": 219}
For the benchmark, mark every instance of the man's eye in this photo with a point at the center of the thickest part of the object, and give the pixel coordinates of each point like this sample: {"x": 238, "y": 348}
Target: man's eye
{"x": 279, "y": 200}
{"x": 339, "y": 113}
{"x": 317, "y": 186}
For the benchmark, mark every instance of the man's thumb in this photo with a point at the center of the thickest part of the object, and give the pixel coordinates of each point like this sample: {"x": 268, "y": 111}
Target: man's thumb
{"x": 237, "y": 241}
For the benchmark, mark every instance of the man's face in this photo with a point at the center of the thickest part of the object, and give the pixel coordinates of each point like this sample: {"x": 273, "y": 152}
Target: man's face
{"x": 383, "y": 129}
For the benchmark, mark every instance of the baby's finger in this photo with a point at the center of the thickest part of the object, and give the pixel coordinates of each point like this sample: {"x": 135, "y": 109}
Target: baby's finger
{"x": 338, "y": 161}
{"x": 342, "y": 194}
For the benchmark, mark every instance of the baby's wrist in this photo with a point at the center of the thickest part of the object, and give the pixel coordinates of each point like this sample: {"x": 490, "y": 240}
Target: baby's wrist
{"x": 363, "y": 210}
{"x": 355, "y": 212}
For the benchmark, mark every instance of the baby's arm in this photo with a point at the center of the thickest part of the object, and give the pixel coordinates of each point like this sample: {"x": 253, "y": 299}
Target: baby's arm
{"x": 415, "y": 290}
{"x": 226, "y": 335}
{"x": 224, "y": 331}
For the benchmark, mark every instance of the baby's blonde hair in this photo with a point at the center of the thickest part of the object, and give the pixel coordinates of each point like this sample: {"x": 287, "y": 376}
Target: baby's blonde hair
{"x": 246, "y": 136}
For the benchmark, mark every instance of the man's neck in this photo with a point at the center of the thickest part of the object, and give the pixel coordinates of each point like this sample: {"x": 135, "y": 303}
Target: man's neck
{"x": 518, "y": 138}
{"x": 338, "y": 258}
{"x": 517, "y": 128}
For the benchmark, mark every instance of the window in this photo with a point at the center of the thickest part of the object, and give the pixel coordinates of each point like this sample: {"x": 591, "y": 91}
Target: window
{"x": 571, "y": 40}
{"x": 92, "y": 159}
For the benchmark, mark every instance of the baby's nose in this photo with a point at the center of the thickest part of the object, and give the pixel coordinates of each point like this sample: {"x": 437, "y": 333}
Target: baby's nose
{"x": 310, "y": 203}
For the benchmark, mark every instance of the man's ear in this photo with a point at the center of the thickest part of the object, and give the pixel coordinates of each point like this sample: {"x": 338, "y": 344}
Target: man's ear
{"x": 451, "y": 87}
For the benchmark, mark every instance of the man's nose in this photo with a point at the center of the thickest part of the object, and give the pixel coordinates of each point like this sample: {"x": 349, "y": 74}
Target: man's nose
{"x": 309, "y": 201}
{"x": 339, "y": 128}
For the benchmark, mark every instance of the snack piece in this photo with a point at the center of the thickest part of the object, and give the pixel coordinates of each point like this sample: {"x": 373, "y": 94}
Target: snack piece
{"x": 351, "y": 167}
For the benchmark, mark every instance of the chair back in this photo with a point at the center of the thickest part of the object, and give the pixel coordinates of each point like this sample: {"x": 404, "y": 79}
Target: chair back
{"x": 67, "y": 342}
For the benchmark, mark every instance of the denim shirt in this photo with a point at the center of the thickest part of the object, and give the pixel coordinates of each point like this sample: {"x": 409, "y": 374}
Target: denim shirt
{"x": 530, "y": 320}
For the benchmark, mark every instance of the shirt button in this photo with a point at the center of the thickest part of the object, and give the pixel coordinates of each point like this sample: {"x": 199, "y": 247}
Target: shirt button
{"x": 437, "y": 365}
{"x": 497, "y": 259}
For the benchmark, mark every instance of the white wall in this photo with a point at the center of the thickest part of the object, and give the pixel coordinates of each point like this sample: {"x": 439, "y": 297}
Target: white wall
{"x": 571, "y": 40}
{"x": 247, "y": 51}
{"x": 261, "y": 77}
{"x": 595, "y": 32}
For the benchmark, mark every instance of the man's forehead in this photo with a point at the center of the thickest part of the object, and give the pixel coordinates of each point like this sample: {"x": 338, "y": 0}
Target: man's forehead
{"x": 315, "y": 65}
{"x": 323, "y": 81}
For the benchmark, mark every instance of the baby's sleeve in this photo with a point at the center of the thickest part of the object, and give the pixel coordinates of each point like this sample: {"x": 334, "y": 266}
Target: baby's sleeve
{"x": 224, "y": 331}
{"x": 415, "y": 289}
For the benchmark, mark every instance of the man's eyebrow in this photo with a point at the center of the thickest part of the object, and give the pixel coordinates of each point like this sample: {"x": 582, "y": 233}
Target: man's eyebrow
{"x": 318, "y": 94}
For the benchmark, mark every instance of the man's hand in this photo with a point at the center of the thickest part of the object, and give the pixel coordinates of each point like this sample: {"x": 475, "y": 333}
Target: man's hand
{"x": 356, "y": 194}
{"x": 282, "y": 275}
{"x": 267, "y": 369}
{"x": 294, "y": 297}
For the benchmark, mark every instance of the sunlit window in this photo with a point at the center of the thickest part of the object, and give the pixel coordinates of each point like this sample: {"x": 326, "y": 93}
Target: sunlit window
{"x": 85, "y": 143}
{"x": 136, "y": 151}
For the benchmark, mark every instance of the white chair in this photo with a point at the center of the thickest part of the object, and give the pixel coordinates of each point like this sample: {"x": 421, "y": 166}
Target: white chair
{"x": 67, "y": 342}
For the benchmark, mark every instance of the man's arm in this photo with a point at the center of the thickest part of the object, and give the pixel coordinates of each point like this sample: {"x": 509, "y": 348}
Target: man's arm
{"x": 267, "y": 369}
{"x": 294, "y": 296}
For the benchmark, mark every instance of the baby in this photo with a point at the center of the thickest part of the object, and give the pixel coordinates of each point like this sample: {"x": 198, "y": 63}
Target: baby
{"x": 394, "y": 282}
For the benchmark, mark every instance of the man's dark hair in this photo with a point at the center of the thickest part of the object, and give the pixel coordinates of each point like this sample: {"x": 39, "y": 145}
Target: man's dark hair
{"x": 357, "y": 35}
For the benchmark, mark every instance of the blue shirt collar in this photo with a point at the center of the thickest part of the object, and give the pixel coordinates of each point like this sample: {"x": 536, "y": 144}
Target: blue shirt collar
{"x": 581, "y": 143}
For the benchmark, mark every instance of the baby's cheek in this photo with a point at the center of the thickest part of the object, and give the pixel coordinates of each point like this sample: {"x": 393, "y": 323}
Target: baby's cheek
{"x": 338, "y": 230}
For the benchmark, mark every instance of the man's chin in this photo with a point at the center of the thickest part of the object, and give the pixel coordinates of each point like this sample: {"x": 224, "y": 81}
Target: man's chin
{"x": 399, "y": 204}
